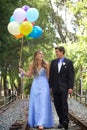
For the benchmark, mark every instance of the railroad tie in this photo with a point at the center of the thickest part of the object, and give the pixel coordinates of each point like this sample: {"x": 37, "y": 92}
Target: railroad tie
{"x": 18, "y": 125}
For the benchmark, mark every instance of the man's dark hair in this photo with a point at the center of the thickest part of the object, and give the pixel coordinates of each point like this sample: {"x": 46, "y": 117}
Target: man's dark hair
{"x": 60, "y": 48}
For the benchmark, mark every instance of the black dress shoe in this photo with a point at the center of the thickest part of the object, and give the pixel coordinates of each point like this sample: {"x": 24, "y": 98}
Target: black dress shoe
{"x": 60, "y": 126}
{"x": 65, "y": 125}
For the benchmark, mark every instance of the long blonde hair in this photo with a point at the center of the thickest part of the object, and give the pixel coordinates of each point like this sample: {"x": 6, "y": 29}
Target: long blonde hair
{"x": 35, "y": 63}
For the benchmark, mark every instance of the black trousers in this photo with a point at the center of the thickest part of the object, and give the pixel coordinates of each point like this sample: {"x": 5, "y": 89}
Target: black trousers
{"x": 61, "y": 105}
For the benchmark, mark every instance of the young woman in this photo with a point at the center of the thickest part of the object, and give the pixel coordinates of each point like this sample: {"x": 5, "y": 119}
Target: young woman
{"x": 40, "y": 110}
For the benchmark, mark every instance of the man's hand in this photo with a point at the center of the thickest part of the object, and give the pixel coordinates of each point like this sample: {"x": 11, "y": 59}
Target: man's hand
{"x": 70, "y": 91}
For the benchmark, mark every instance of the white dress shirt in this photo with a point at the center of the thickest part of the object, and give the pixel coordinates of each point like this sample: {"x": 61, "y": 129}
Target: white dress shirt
{"x": 59, "y": 65}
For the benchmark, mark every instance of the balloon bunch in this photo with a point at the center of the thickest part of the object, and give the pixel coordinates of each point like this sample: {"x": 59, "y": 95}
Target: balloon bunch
{"x": 22, "y": 23}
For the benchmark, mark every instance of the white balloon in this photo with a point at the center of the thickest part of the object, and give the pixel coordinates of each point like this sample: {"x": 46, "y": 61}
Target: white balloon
{"x": 14, "y": 28}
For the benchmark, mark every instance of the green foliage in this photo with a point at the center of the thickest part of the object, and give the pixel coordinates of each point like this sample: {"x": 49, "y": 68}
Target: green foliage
{"x": 77, "y": 50}
{"x": 27, "y": 86}
{"x": 78, "y": 54}
{"x": 51, "y": 23}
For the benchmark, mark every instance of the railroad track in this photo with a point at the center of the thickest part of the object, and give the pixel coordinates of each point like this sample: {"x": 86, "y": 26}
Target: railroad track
{"x": 5, "y": 107}
{"x": 22, "y": 125}
{"x": 78, "y": 120}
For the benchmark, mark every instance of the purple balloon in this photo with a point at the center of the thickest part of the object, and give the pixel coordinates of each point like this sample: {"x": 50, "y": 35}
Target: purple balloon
{"x": 19, "y": 15}
{"x": 25, "y": 7}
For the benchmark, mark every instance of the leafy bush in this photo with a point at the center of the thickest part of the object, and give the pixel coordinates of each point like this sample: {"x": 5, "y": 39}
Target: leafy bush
{"x": 27, "y": 86}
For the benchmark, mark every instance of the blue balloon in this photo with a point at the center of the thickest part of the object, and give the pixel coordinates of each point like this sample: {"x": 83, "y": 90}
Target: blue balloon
{"x": 32, "y": 14}
{"x": 12, "y": 18}
{"x": 36, "y": 32}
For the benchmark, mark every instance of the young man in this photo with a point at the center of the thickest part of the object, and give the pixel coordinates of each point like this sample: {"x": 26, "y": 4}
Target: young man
{"x": 61, "y": 81}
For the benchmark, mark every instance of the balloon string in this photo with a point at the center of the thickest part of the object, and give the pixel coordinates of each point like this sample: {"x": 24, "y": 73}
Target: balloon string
{"x": 20, "y": 62}
{"x": 20, "y": 65}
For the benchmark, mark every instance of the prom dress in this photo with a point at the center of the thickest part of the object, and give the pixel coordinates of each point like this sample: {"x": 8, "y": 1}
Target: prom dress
{"x": 40, "y": 109}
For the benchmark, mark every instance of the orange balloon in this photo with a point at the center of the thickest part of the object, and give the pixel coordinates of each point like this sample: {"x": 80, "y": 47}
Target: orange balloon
{"x": 26, "y": 28}
{"x": 19, "y": 36}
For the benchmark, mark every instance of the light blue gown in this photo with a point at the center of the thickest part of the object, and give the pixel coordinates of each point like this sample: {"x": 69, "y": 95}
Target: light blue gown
{"x": 40, "y": 110}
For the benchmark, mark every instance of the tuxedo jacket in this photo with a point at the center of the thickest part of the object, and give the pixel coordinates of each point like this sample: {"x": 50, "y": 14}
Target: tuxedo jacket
{"x": 64, "y": 79}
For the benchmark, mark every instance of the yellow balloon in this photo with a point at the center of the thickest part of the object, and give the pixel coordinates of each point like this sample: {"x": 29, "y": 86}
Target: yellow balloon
{"x": 26, "y": 28}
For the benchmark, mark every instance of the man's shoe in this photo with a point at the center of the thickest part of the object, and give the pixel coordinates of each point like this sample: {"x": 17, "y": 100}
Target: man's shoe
{"x": 60, "y": 126}
{"x": 65, "y": 125}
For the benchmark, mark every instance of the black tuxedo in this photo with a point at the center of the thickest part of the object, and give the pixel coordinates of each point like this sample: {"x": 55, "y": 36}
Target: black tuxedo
{"x": 60, "y": 83}
{"x": 64, "y": 79}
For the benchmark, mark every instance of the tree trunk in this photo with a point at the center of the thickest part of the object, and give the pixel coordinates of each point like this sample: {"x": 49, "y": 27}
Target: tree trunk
{"x": 5, "y": 85}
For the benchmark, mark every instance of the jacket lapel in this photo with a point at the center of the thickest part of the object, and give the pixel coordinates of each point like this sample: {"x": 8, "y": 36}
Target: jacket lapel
{"x": 56, "y": 65}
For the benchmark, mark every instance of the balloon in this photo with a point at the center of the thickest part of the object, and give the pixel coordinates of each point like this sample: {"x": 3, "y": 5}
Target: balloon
{"x": 25, "y": 7}
{"x": 22, "y": 23}
{"x": 36, "y": 32}
{"x": 32, "y": 14}
{"x": 12, "y": 18}
{"x": 29, "y": 38}
{"x": 25, "y": 19}
{"x": 19, "y": 36}
{"x": 33, "y": 23}
{"x": 26, "y": 28}
{"x": 19, "y": 15}
{"x": 14, "y": 28}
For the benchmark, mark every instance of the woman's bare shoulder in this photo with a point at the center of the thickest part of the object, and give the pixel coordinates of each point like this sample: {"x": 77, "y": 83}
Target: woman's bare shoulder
{"x": 47, "y": 63}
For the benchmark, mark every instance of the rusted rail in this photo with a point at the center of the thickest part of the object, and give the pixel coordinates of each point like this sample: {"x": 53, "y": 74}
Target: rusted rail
{"x": 4, "y": 108}
{"x": 6, "y": 102}
{"x": 78, "y": 120}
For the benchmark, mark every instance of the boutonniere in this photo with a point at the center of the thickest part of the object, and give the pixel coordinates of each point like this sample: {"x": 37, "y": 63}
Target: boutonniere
{"x": 64, "y": 63}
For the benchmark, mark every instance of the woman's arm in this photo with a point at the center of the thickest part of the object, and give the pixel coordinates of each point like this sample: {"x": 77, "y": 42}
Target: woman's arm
{"x": 28, "y": 73}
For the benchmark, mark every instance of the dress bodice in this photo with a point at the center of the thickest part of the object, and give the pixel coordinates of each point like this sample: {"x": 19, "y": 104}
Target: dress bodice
{"x": 41, "y": 72}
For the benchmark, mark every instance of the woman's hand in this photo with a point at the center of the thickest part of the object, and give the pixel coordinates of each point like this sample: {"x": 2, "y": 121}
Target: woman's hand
{"x": 22, "y": 72}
